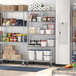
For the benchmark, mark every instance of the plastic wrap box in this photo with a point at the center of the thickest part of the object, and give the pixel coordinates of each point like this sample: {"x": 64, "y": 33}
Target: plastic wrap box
{"x": 31, "y": 55}
{"x": 47, "y": 58}
{"x": 9, "y": 7}
{"x": 39, "y": 55}
{"x": 22, "y": 7}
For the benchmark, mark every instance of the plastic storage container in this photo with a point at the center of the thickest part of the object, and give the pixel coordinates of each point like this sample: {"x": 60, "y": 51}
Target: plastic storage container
{"x": 31, "y": 55}
{"x": 39, "y": 55}
{"x": 44, "y": 43}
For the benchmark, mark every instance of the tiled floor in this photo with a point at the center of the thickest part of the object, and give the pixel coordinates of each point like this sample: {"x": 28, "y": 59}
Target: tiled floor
{"x": 46, "y": 72}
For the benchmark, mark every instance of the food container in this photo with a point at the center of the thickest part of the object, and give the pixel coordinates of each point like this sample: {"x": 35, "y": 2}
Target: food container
{"x": 30, "y": 17}
{"x": 51, "y": 26}
{"x": 31, "y": 54}
{"x": 47, "y": 52}
{"x": 39, "y": 55}
{"x": 4, "y": 34}
{"x": 43, "y": 43}
{"x": 32, "y": 30}
{"x": 38, "y": 19}
{"x": 20, "y": 37}
{"x": 24, "y": 38}
{"x": 52, "y": 31}
{"x": 4, "y": 39}
{"x": 42, "y": 31}
{"x": 51, "y": 42}
{"x": 14, "y": 34}
{"x": 15, "y": 39}
{"x": 48, "y": 31}
{"x": 11, "y": 39}
{"x": 7, "y": 39}
{"x": 9, "y": 34}
{"x": 47, "y": 58}
{"x": 45, "y": 26}
{"x": 74, "y": 33}
{"x": 44, "y": 19}
{"x": 48, "y": 19}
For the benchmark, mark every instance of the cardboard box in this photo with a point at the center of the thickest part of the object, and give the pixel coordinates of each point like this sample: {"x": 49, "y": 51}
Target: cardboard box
{"x": 74, "y": 13}
{"x": 13, "y": 52}
{"x": 0, "y": 19}
{"x": 74, "y": 21}
{"x": 9, "y": 47}
{"x": 22, "y": 7}
{"x": 10, "y": 52}
{"x": 17, "y": 57}
{"x": 9, "y": 7}
{"x": 6, "y": 51}
{"x": 6, "y": 56}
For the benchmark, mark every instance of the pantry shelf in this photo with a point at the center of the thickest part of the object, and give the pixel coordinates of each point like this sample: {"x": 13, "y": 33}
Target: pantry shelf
{"x": 41, "y": 35}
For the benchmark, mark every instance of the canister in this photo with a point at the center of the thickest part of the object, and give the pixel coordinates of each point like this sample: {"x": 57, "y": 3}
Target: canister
{"x": 48, "y": 31}
{"x": 32, "y": 30}
{"x": 11, "y": 39}
{"x": 44, "y": 19}
{"x": 74, "y": 33}
{"x": 14, "y": 34}
{"x": 51, "y": 26}
{"x": 15, "y": 39}
{"x": 43, "y": 43}
{"x": 48, "y": 19}
{"x": 45, "y": 26}
{"x": 7, "y": 39}
{"x": 19, "y": 37}
{"x": 9, "y": 34}
{"x": 4, "y": 34}
{"x": 52, "y": 31}
{"x": 24, "y": 38}
{"x": 42, "y": 31}
{"x": 38, "y": 19}
{"x": 4, "y": 39}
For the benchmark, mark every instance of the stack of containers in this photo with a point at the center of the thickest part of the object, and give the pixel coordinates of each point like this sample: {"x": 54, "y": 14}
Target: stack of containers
{"x": 47, "y": 55}
{"x": 11, "y": 53}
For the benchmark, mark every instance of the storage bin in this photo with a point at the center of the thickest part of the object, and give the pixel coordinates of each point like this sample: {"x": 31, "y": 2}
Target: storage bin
{"x": 22, "y": 7}
{"x": 52, "y": 31}
{"x": 51, "y": 42}
{"x": 9, "y": 7}
{"x": 39, "y": 55}
{"x": 47, "y": 58}
{"x": 44, "y": 43}
{"x": 48, "y": 31}
{"x": 38, "y": 19}
{"x": 51, "y": 26}
{"x": 47, "y": 52}
{"x": 42, "y": 31}
{"x": 31, "y": 55}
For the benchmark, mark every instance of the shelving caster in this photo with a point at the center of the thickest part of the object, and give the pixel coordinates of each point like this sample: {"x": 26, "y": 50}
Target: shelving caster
{"x": 23, "y": 62}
